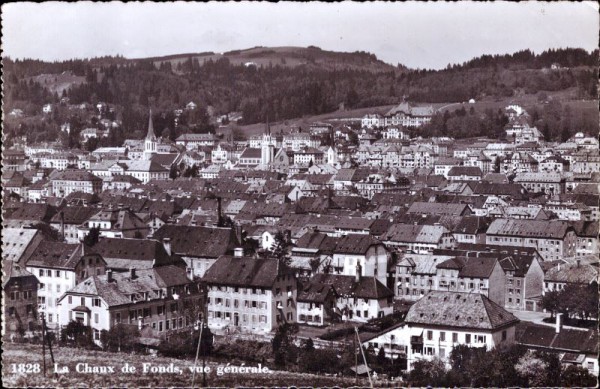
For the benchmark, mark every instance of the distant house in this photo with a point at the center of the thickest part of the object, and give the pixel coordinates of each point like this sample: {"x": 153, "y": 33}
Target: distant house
{"x": 440, "y": 321}
{"x": 253, "y": 295}
{"x": 59, "y": 267}
{"x": 421, "y": 239}
{"x": 552, "y": 238}
{"x": 66, "y": 182}
{"x": 162, "y": 300}
{"x": 194, "y": 141}
{"x": 200, "y": 247}
{"x": 465, "y": 173}
{"x": 19, "y": 243}
{"x": 115, "y": 223}
{"x": 576, "y": 273}
{"x": 547, "y": 183}
{"x": 251, "y": 157}
{"x": 19, "y": 292}
{"x": 574, "y": 346}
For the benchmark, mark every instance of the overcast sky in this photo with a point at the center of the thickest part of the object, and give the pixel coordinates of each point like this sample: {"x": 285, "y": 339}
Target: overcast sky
{"x": 424, "y": 35}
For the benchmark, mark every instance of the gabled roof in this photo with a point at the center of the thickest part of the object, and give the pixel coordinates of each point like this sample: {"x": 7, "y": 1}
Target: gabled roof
{"x": 251, "y": 152}
{"x": 58, "y": 255}
{"x": 414, "y": 233}
{"x": 122, "y": 253}
{"x": 551, "y": 229}
{"x": 317, "y": 241}
{"x": 456, "y": 309}
{"x": 356, "y": 244}
{"x": 315, "y": 293}
{"x": 12, "y": 270}
{"x": 122, "y": 287}
{"x": 568, "y": 339}
{"x": 443, "y": 209}
{"x": 74, "y": 215}
{"x": 15, "y": 242}
{"x": 243, "y": 272}
{"x": 198, "y": 241}
{"x": 573, "y": 274}
{"x": 366, "y": 287}
{"x": 75, "y": 175}
{"x": 465, "y": 171}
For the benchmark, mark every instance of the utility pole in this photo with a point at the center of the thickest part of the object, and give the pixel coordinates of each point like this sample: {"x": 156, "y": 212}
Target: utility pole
{"x": 44, "y": 343}
{"x": 49, "y": 345}
{"x": 197, "y": 352}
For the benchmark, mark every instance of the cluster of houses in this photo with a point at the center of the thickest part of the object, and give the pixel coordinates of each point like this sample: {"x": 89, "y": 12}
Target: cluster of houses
{"x": 286, "y": 229}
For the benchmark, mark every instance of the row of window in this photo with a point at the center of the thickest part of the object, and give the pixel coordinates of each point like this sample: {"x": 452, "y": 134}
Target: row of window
{"x": 95, "y": 301}
{"x": 244, "y": 317}
{"x": 49, "y": 273}
{"x": 236, "y": 303}
{"x": 310, "y": 318}
{"x": 27, "y": 295}
{"x": 13, "y": 310}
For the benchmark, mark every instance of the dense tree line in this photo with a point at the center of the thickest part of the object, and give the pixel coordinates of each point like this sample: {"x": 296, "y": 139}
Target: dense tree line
{"x": 500, "y": 367}
{"x": 277, "y": 92}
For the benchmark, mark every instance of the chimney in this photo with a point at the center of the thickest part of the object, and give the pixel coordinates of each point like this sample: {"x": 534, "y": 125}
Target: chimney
{"x": 238, "y": 252}
{"x": 220, "y": 212}
{"x": 558, "y": 322}
{"x": 358, "y": 273}
{"x": 167, "y": 244}
{"x": 237, "y": 229}
{"x": 109, "y": 275}
{"x": 62, "y": 224}
{"x": 132, "y": 273}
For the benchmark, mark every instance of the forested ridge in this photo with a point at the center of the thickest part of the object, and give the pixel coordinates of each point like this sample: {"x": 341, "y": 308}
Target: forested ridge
{"x": 321, "y": 82}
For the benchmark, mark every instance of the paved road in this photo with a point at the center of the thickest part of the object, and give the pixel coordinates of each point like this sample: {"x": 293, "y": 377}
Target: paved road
{"x": 446, "y": 106}
{"x": 537, "y": 317}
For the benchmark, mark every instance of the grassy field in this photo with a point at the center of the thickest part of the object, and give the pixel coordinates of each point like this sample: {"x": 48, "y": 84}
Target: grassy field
{"x": 305, "y": 122}
{"x": 69, "y": 357}
{"x": 58, "y": 82}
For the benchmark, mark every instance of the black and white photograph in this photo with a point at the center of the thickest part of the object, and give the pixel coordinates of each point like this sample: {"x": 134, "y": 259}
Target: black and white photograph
{"x": 300, "y": 194}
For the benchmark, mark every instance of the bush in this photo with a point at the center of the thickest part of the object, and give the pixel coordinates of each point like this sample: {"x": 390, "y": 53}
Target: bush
{"x": 319, "y": 361}
{"x": 244, "y": 350}
{"x": 339, "y": 333}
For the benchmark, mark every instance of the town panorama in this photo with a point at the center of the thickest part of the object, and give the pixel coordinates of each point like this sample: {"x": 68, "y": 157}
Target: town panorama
{"x": 301, "y": 217}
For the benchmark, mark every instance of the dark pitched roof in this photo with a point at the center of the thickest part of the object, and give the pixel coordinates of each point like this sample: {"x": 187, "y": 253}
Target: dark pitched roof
{"x": 74, "y": 215}
{"x": 58, "y": 255}
{"x": 122, "y": 253}
{"x": 122, "y": 287}
{"x": 356, "y": 244}
{"x": 456, "y": 309}
{"x": 318, "y": 241}
{"x": 75, "y": 175}
{"x": 545, "y": 336}
{"x": 315, "y": 293}
{"x": 465, "y": 171}
{"x": 11, "y": 270}
{"x": 366, "y": 287}
{"x": 243, "y": 271}
{"x": 441, "y": 209}
{"x": 198, "y": 241}
{"x": 552, "y": 229}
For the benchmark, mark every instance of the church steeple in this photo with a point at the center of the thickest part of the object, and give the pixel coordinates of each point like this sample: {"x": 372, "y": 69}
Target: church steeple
{"x": 150, "y": 142}
{"x": 150, "y": 134}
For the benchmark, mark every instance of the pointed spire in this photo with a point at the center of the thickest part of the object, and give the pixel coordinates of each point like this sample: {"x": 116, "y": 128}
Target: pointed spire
{"x": 150, "y": 134}
{"x": 268, "y": 126}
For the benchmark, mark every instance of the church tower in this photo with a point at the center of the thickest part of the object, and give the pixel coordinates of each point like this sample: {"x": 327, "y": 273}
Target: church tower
{"x": 267, "y": 149}
{"x": 150, "y": 142}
